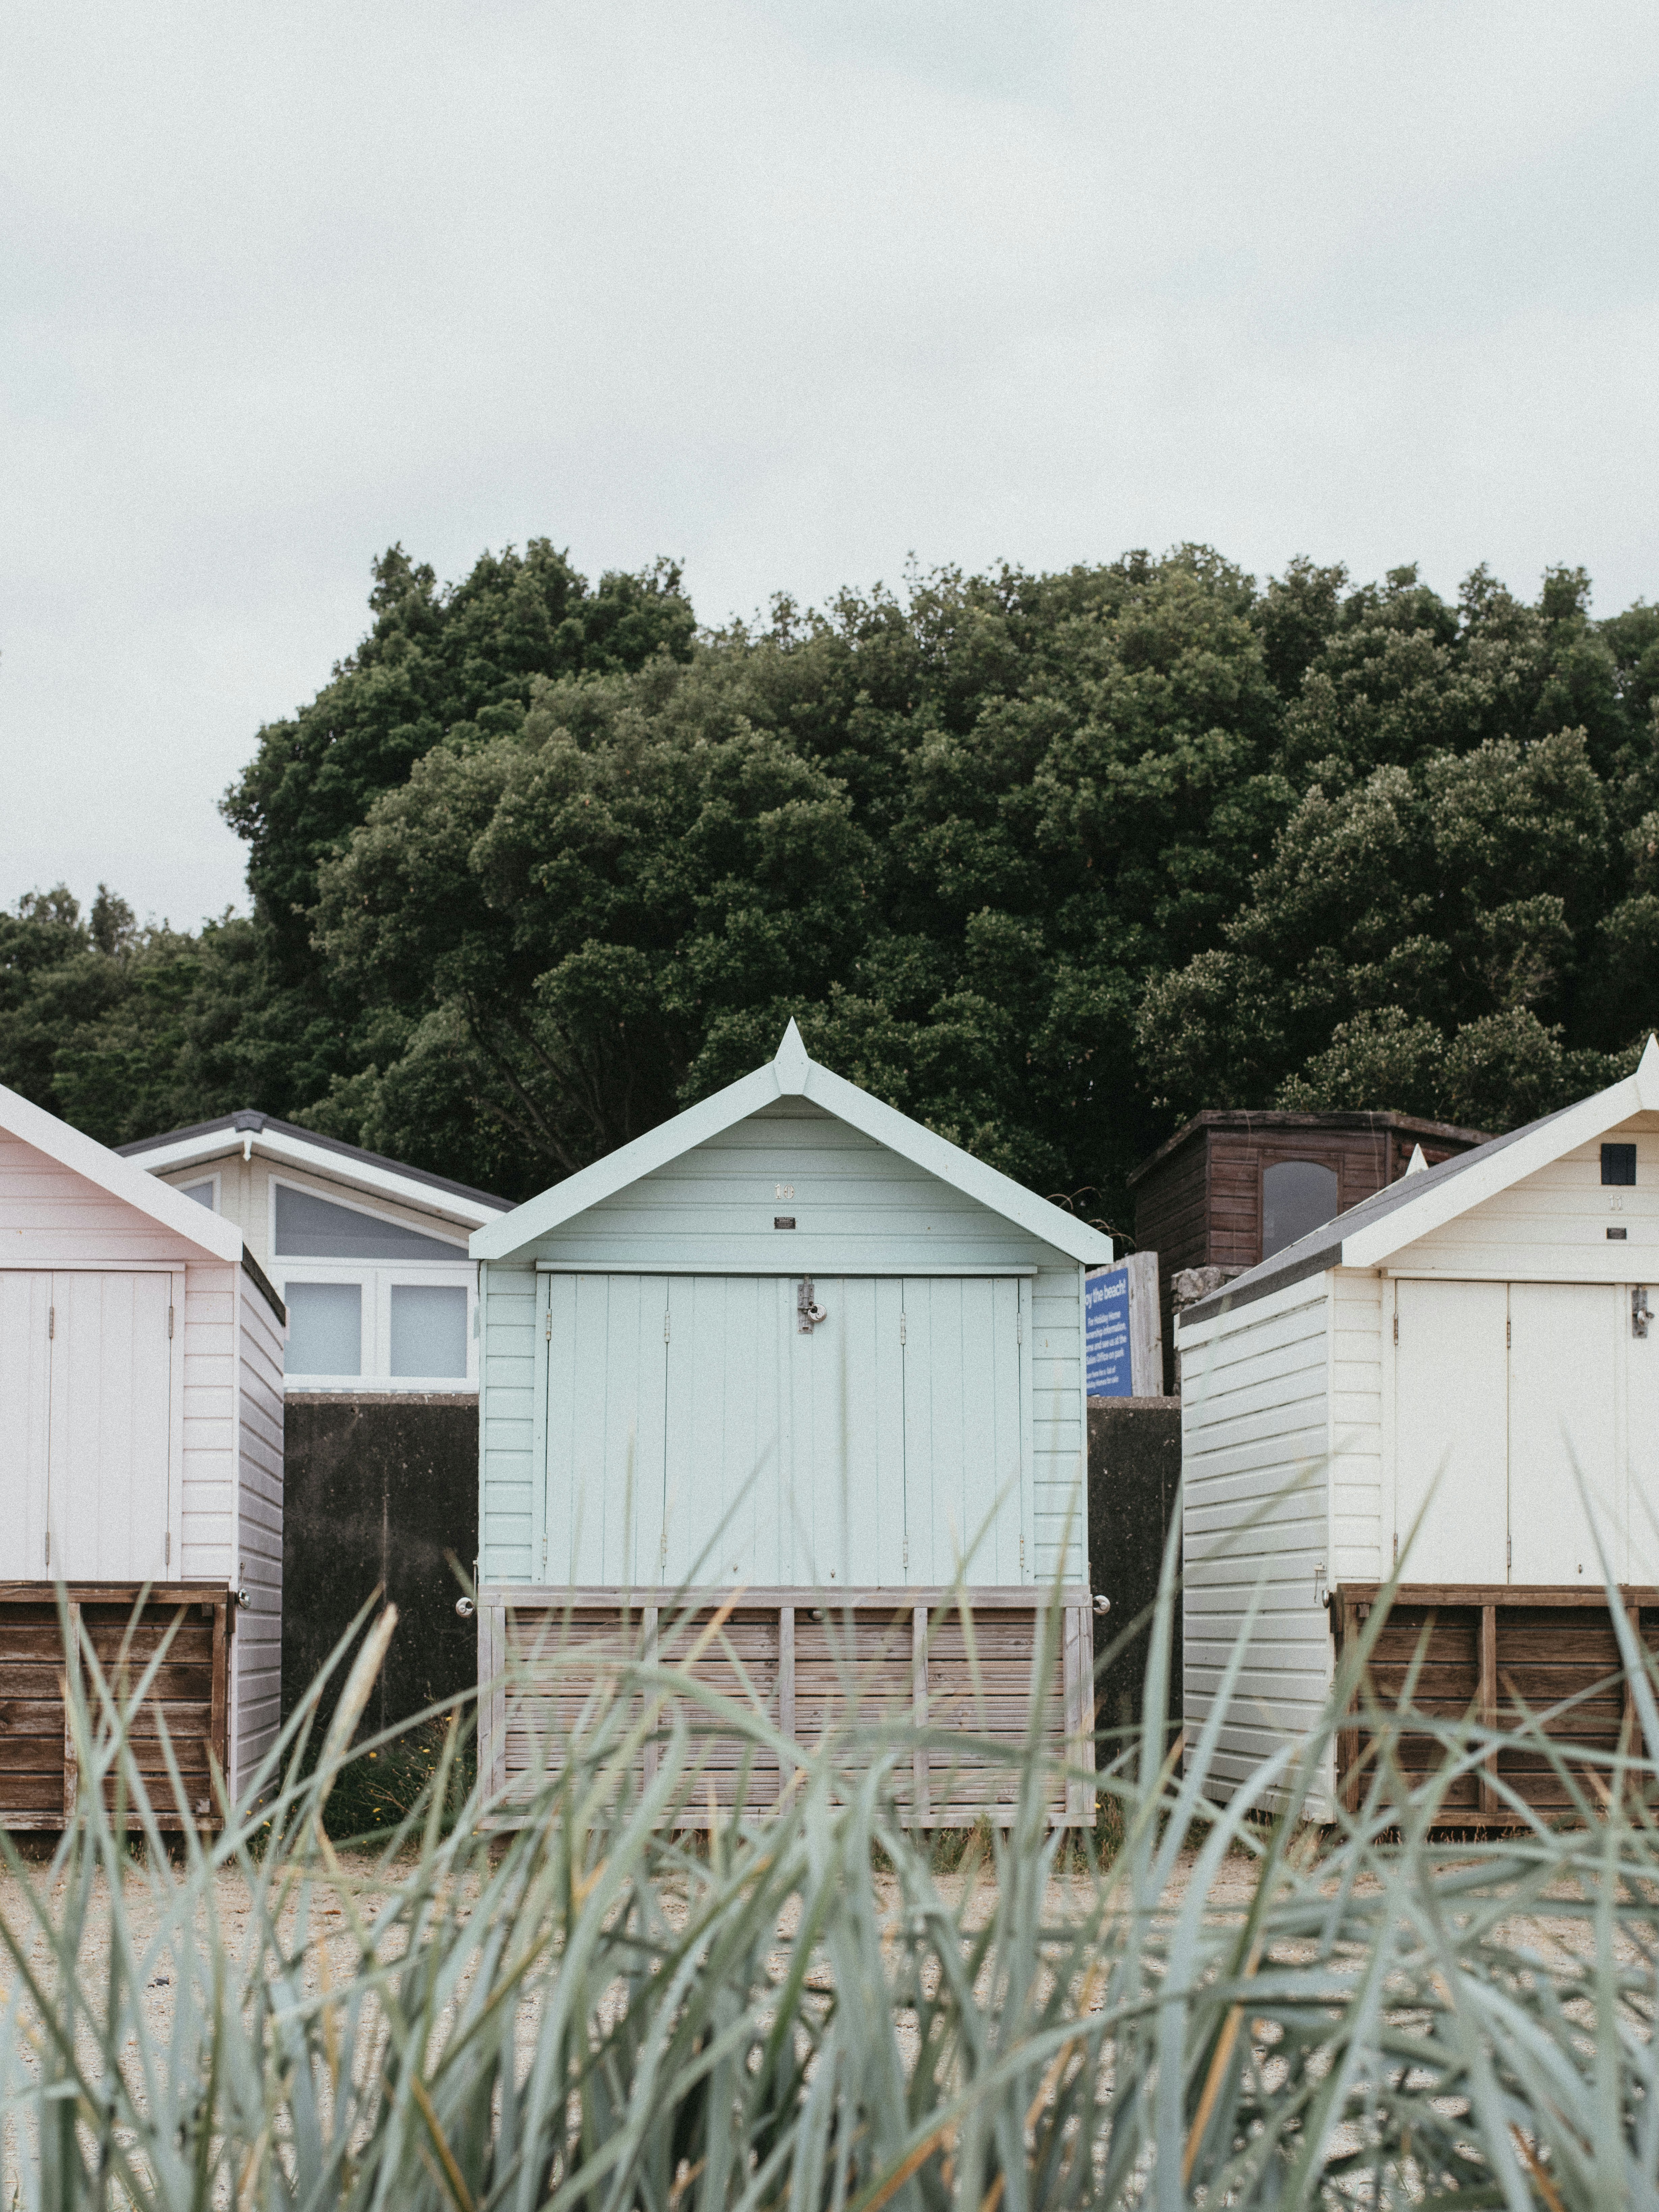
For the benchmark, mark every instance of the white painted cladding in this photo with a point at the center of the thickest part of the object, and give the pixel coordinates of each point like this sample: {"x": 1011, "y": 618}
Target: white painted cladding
{"x": 1257, "y": 1404}
{"x": 867, "y": 1216}
{"x": 155, "y": 1453}
{"x": 1487, "y": 1383}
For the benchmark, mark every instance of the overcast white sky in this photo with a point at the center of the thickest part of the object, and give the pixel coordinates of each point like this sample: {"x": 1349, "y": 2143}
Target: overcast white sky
{"x": 786, "y": 288}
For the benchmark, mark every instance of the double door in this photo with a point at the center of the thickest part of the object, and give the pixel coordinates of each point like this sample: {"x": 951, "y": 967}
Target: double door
{"x": 695, "y": 1430}
{"x": 88, "y": 1372}
{"x": 1526, "y": 1425}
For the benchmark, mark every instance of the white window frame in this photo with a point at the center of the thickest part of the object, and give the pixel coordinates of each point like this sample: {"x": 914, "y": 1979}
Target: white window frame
{"x": 195, "y": 1181}
{"x": 376, "y": 1278}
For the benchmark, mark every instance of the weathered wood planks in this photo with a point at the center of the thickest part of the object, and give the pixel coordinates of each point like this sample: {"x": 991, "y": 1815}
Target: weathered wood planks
{"x": 1492, "y": 1652}
{"x": 842, "y": 1671}
{"x": 41, "y": 1778}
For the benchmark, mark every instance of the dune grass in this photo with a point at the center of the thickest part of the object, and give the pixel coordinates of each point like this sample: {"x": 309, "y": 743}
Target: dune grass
{"x": 592, "y": 2008}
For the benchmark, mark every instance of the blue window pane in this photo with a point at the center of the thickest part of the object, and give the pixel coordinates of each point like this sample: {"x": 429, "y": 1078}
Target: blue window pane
{"x": 324, "y": 1328}
{"x": 429, "y": 1330}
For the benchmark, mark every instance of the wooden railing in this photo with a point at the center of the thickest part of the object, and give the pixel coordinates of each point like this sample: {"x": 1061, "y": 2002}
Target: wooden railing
{"x": 823, "y": 1669}
{"x": 1492, "y": 1650}
{"x": 39, "y": 1772}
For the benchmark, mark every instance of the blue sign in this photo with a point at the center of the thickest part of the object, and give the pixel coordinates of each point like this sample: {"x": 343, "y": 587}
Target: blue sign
{"x": 1106, "y": 1362}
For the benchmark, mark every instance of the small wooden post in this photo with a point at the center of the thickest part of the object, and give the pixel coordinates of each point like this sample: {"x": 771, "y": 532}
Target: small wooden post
{"x": 921, "y": 1803}
{"x": 71, "y": 1675}
{"x": 1488, "y": 1705}
{"x": 1347, "y": 1736}
{"x": 219, "y": 1710}
{"x": 648, "y": 1653}
{"x": 1631, "y": 1739}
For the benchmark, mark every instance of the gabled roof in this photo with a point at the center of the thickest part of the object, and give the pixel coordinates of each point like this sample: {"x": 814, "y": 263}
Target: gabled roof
{"x": 1369, "y": 1235}
{"x": 297, "y": 1147}
{"x": 792, "y": 1073}
{"x": 210, "y": 1233}
{"x": 1274, "y": 1121}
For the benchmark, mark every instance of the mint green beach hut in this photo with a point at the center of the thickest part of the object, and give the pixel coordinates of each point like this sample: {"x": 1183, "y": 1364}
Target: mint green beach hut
{"x": 794, "y": 1344}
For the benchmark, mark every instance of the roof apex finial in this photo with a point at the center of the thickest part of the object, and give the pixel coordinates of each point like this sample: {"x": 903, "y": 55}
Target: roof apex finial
{"x": 792, "y": 1062}
{"x": 1417, "y": 1164}
{"x": 1647, "y": 1074}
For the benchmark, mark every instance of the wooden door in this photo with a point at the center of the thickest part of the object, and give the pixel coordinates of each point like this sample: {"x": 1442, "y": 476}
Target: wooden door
{"x": 25, "y": 1403}
{"x": 606, "y": 1341}
{"x": 847, "y": 1482}
{"x": 1451, "y": 1431}
{"x": 1563, "y": 1349}
{"x": 965, "y": 1478}
{"x": 726, "y": 1514}
{"x": 109, "y": 1505}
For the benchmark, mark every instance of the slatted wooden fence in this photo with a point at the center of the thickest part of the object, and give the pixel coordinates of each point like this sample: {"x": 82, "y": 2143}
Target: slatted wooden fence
{"x": 39, "y": 1779}
{"x": 842, "y": 1669}
{"x": 1487, "y": 1649}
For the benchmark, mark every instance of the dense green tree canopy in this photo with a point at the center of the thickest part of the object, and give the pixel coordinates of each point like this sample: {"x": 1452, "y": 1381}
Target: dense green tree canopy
{"x": 1049, "y": 861}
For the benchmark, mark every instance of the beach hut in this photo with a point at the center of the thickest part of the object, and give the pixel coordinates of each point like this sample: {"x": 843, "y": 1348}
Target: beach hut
{"x": 381, "y": 1421}
{"x": 141, "y": 1441}
{"x": 1457, "y": 1376}
{"x": 794, "y": 1344}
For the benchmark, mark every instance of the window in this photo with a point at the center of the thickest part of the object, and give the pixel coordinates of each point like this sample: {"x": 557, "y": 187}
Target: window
{"x": 324, "y": 1328}
{"x": 312, "y": 1228}
{"x": 203, "y": 1193}
{"x": 429, "y": 1329}
{"x": 369, "y": 1297}
{"x": 1619, "y": 1164}
{"x": 1297, "y": 1196}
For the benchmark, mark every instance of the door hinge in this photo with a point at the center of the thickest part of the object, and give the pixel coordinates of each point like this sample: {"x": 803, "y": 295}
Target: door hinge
{"x": 1508, "y": 1554}
{"x": 1021, "y": 1558}
{"x": 902, "y": 1334}
{"x": 167, "y": 1549}
{"x": 546, "y": 1327}
{"x": 51, "y": 1321}
{"x": 1397, "y": 1328}
{"x": 169, "y": 1324}
{"x": 906, "y": 1548}
{"x": 1508, "y": 1329}
{"x": 666, "y": 1318}
{"x": 543, "y": 1556}
{"x": 48, "y": 1548}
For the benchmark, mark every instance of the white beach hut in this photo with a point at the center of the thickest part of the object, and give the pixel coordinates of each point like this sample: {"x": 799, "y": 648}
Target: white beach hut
{"x": 141, "y": 1441}
{"x": 1457, "y": 1375}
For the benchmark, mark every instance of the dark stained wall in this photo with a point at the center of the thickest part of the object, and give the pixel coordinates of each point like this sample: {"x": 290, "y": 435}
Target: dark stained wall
{"x": 379, "y": 1489}
{"x": 1134, "y": 1487}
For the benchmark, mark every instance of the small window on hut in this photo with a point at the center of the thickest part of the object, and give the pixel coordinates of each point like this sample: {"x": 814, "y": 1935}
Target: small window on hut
{"x": 1619, "y": 1164}
{"x": 1297, "y": 1196}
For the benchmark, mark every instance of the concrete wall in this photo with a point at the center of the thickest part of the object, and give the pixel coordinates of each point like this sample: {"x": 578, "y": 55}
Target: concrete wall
{"x": 1134, "y": 1480}
{"x": 377, "y": 1489}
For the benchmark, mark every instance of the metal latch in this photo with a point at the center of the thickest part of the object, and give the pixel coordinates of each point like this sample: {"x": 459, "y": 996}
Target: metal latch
{"x": 1639, "y": 1314}
{"x": 808, "y": 1314}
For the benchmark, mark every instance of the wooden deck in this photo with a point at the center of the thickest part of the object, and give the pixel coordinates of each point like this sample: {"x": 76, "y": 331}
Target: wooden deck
{"x": 1489, "y": 1649}
{"x": 821, "y": 1669}
{"x": 40, "y": 1777}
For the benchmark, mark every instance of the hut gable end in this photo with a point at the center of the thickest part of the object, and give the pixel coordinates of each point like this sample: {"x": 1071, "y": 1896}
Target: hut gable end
{"x": 50, "y": 1215}
{"x": 856, "y": 1206}
{"x": 1552, "y": 1224}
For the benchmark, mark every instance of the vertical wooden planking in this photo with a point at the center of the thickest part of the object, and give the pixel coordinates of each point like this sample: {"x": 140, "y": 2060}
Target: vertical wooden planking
{"x": 648, "y": 1652}
{"x": 219, "y": 1696}
{"x": 1488, "y": 1701}
{"x": 110, "y": 1440}
{"x": 72, "y": 1673}
{"x": 635, "y": 1516}
{"x": 921, "y": 1807}
{"x": 1564, "y": 1350}
{"x": 1450, "y": 1431}
{"x": 25, "y": 1412}
{"x": 561, "y": 1354}
{"x": 787, "y": 1672}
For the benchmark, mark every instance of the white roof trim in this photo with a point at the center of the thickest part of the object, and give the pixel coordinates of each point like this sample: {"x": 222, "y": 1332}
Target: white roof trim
{"x": 792, "y": 1073}
{"x": 318, "y": 1159}
{"x": 1378, "y": 1241}
{"x": 210, "y": 1233}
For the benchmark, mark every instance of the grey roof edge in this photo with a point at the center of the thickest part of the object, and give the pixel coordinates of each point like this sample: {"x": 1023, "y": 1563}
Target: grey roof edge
{"x": 1321, "y": 1247}
{"x": 1270, "y": 1119}
{"x": 246, "y": 1120}
{"x": 262, "y": 1283}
